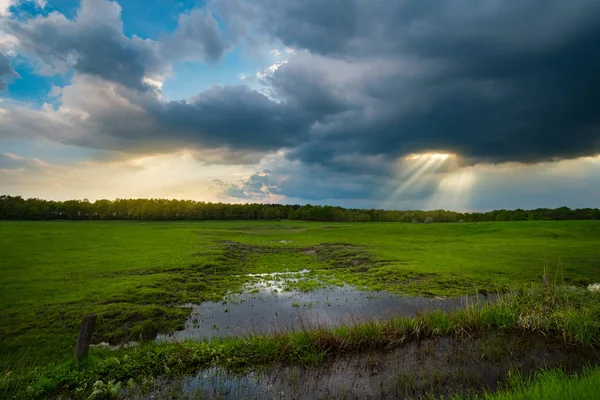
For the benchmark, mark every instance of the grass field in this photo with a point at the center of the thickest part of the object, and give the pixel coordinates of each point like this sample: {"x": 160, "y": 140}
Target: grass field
{"x": 135, "y": 274}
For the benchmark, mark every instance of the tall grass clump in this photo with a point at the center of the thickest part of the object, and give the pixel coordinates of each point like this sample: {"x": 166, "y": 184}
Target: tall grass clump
{"x": 568, "y": 313}
{"x": 549, "y": 385}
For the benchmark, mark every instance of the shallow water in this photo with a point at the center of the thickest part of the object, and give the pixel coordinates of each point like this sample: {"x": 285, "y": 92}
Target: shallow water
{"x": 433, "y": 367}
{"x": 271, "y": 310}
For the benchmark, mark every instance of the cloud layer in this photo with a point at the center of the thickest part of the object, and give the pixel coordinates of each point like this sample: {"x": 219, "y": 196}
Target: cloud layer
{"x": 368, "y": 84}
{"x": 501, "y": 82}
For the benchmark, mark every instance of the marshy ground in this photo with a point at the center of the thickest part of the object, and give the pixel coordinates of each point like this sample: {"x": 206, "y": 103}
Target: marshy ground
{"x": 425, "y": 368}
{"x": 347, "y": 310}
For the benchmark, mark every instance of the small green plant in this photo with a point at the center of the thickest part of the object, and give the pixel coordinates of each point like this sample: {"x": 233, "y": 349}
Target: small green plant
{"x": 101, "y": 390}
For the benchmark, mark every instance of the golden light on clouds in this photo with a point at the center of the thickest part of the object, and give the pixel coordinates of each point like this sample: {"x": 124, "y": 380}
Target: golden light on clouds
{"x": 176, "y": 175}
{"x": 433, "y": 156}
{"x": 417, "y": 171}
{"x": 594, "y": 159}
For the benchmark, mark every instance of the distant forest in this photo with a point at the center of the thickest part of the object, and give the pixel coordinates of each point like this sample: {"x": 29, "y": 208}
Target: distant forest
{"x": 18, "y": 208}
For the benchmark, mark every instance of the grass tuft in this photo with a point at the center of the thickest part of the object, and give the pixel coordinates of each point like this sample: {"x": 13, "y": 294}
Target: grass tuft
{"x": 548, "y": 385}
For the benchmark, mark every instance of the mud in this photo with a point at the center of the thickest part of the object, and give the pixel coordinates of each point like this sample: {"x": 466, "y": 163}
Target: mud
{"x": 444, "y": 366}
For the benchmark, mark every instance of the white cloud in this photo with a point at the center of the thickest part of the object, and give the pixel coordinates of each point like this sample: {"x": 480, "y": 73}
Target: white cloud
{"x": 6, "y": 4}
{"x": 8, "y": 42}
{"x": 270, "y": 70}
{"x": 5, "y": 7}
{"x": 154, "y": 82}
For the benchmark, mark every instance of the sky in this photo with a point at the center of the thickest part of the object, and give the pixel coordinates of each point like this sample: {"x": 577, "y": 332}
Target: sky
{"x": 463, "y": 104}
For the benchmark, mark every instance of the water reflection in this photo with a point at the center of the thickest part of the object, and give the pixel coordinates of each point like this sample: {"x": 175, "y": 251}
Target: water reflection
{"x": 266, "y": 308}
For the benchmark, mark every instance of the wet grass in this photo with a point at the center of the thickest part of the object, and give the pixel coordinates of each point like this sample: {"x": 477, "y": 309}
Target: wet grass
{"x": 570, "y": 315}
{"x": 135, "y": 276}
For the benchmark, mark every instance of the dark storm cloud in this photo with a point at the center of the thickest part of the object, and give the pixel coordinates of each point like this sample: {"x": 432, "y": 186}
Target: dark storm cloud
{"x": 361, "y": 27}
{"x": 517, "y": 81}
{"x": 93, "y": 43}
{"x": 235, "y": 116}
{"x": 491, "y": 81}
{"x": 6, "y": 71}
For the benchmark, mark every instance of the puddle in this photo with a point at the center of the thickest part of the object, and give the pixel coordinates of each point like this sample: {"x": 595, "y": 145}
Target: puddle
{"x": 269, "y": 309}
{"x": 432, "y": 368}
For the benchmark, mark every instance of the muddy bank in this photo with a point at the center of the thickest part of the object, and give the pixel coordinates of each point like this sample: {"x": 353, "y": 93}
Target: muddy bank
{"x": 430, "y": 368}
{"x": 265, "y": 308}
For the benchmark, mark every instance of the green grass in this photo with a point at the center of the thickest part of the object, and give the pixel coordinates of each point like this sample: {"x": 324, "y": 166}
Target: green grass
{"x": 556, "y": 312}
{"x": 135, "y": 274}
{"x": 550, "y": 385}
{"x": 52, "y": 273}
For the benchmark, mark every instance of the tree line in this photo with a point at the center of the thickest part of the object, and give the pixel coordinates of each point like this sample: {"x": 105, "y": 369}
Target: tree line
{"x": 18, "y": 208}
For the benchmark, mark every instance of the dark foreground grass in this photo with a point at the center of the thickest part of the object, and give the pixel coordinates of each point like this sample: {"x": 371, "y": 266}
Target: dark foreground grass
{"x": 549, "y": 385}
{"x": 569, "y": 314}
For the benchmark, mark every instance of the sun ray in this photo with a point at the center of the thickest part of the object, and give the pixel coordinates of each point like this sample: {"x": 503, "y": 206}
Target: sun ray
{"x": 408, "y": 166}
{"x": 430, "y": 164}
{"x": 405, "y": 167}
{"x": 455, "y": 190}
